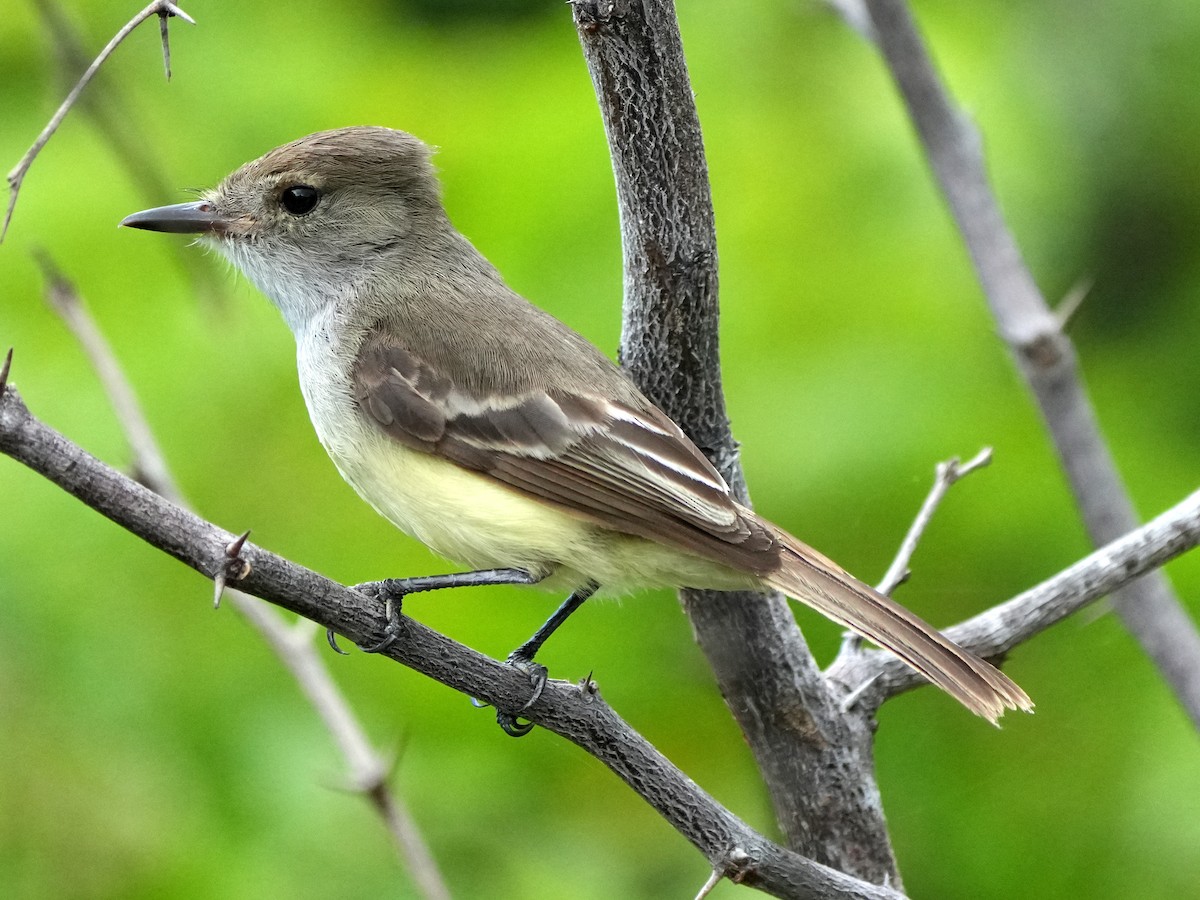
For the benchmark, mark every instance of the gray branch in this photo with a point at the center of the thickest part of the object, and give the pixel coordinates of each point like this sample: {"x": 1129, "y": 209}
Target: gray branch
{"x": 815, "y": 760}
{"x": 293, "y": 644}
{"x": 161, "y": 8}
{"x": 996, "y": 632}
{"x": 575, "y": 712}
{"x": 1044, "y": 354}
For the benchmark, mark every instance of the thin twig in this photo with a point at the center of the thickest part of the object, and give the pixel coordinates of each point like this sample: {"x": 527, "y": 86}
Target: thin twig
{"x": 1045, "y": 356}
{"x": 161, "y": 8}
{"x": 713, "y": 880}
{"x": 1070, "y": 303}
{"x": 368, "y": 771}
{"x": 946, "y": 474}
{"x": 992, "y": 634}
{"x": 898, "y": 572}
{"x": 815, "y": 760}
{"x": 149, "y": 464}
{"x": 115, "y": 119}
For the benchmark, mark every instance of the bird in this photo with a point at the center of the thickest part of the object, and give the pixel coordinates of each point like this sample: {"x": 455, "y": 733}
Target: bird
{"x": 491, "y": 431}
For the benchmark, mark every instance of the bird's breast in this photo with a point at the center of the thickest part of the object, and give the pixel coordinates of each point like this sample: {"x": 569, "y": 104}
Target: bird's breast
{"x": 459, "y": 514}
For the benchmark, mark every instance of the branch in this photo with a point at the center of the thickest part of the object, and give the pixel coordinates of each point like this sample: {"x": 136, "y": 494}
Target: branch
{"x": 114, "y": 119}
{"x": 994, "y": 633}
{"x": 575, "y": 712}
{"x": 945, "y": 476}
{"x": 292, "y": 644}
{"x": 149, "y": 464}
{"x": 1044, "y": 354}
{"x": 161, "y": 8}
{"x": 815, "y": 760}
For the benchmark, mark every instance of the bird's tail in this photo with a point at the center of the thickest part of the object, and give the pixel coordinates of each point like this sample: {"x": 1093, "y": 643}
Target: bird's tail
{"x": 810, "y": 577}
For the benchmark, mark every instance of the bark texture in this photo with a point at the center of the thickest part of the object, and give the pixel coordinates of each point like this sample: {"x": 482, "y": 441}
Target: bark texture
{"x": 816, "y": 761}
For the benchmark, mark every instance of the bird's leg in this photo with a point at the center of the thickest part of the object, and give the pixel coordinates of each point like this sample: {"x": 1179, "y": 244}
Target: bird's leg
{"x": 392, "y": 592}
{"x": 522, "y": 658}
{"x": 525, "y": 653}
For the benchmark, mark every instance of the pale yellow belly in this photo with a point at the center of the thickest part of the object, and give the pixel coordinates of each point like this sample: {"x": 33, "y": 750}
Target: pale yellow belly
{"x": 481, "y": 524}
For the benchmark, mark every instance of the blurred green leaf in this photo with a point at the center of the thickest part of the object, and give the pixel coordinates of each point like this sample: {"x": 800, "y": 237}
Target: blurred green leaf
{"x": 154, "y": 748}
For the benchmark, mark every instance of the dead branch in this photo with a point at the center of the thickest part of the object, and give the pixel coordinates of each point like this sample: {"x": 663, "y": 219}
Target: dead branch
{"x": 368, "y": 770}
{"x": 575, "y": 712}
{"x": 161, "y": 8}
{"x": 1043, "y": 352}
{"x": 995, "y": 633}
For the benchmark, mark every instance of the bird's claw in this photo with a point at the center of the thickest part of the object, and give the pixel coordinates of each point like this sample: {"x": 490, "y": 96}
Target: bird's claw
{"x": 392, "y": 596}
{"x": 333, "y": 644}
{"x": 510, "y": 723}
{"x": 391, "y": 630}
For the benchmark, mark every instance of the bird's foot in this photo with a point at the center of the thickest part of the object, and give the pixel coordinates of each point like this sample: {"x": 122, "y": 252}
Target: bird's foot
{"x": 392, "y": 592}
{"x": 510, "y": 722}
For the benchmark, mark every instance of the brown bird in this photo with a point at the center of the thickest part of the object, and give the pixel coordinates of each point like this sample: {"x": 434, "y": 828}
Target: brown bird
{"x": 492, "y": 432}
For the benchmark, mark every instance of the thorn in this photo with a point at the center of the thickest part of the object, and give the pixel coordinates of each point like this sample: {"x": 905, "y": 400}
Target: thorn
{"x": 163, "y": 15}
{"x": 167, "y": 10}
{"x": 713, "y": 880}
{"x": 853, "y": 697}
{"x": 233, "y": 569}
{"x": 1069, "y": 305}
{"x": 235, "y": 548}
{"x": 4, "y": 370}
{"x": 173, "y": 10}
{"x": 372, "y": 781}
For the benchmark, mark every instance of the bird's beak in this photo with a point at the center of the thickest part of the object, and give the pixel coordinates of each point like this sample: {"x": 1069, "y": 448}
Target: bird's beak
{"x": 200, "y": 217}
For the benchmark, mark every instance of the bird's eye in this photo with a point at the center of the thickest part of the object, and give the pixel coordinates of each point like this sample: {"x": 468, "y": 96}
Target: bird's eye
{"x": 299, "y": 199}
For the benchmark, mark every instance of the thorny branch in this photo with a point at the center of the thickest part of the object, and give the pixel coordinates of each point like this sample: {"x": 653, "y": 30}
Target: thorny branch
{"x": 161, "y": 8}
{"x": 1043, "y": 352}
{"x": 575, "y": 712}
{"x": 993, "y": 633}
{"x": 292, "y": 644}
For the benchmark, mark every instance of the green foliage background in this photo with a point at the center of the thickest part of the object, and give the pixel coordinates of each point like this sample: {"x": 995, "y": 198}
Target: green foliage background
{"x": 150, "y": 747}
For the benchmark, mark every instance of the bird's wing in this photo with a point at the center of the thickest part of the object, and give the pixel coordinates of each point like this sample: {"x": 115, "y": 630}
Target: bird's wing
{"x": 631, "y": 469}
{"x": 627, "y": 468}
